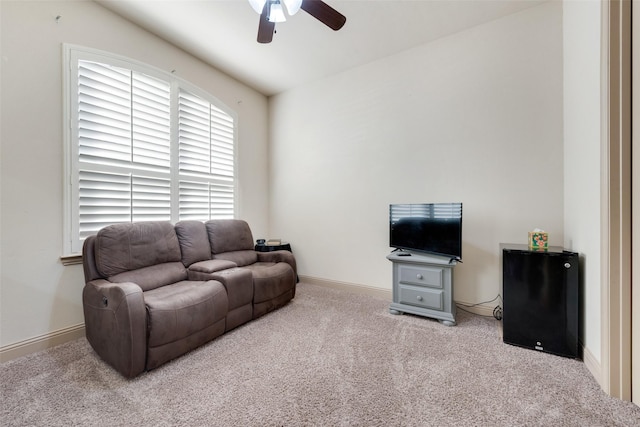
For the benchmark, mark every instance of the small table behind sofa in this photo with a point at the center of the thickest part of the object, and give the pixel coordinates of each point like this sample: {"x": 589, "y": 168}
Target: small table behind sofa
{"x": 271, "y": 248}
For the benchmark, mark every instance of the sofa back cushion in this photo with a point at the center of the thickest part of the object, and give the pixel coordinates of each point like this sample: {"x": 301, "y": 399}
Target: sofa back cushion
{"x": 153, "y": 276}
{"x": 231, "y": 239}
{"x": 228, "y": 235}
{"x": 194, "y": 242}
{"x": 132, "y": 246}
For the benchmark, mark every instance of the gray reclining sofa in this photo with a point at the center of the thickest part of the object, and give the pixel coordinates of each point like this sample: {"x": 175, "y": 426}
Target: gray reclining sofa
{"x": 155, "y": 291}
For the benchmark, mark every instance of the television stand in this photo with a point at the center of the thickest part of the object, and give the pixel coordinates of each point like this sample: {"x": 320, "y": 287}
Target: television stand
{"x": 423, "y": 285}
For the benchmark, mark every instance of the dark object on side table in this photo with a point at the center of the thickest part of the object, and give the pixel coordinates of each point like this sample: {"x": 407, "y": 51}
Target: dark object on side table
{"x": 270, "y": 248}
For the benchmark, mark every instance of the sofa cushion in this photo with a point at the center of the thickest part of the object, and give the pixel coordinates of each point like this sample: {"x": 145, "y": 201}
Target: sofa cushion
{"x": 194, "y": 242}
{"x": 271, "y": 280}
{"x": 179, "y": 310}
{"x": 211, "y": 266}
{"x": 228, "y": 235}
{"x": 130, "y": 246}
{"x": 239, "y": 258}
{"x": 239, "y": 285}
{"x": 153, "y": 276}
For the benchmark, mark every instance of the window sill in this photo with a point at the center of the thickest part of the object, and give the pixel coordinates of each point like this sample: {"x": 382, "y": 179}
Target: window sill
{"x": 71, "y": 259}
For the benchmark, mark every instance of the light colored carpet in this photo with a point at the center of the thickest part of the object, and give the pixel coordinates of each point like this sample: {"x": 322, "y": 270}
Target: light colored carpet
{"x": 328, "y": 358}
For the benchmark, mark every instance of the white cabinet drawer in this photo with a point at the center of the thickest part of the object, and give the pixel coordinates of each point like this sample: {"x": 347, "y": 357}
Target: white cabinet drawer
{"x": 422, "y": 276}
{"x": 421, "y": 297}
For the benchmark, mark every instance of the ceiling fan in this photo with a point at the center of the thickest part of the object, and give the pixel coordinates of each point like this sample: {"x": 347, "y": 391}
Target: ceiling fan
{"x": 271, "y": 11}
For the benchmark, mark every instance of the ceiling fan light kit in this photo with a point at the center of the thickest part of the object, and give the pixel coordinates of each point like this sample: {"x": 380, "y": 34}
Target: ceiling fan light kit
{"x": 276, "y": 12}
{"x": 271, "y": 11}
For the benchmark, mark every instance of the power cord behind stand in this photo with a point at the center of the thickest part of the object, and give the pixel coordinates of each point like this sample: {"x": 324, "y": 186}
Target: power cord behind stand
{"x": 497, "y": 311}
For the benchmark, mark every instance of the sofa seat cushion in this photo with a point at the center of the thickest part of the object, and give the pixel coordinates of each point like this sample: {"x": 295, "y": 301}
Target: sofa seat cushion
{"x": 271, "y": 280}
{"x": 181, "y": 309}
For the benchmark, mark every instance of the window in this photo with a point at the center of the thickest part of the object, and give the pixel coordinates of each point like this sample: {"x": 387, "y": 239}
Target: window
{"x": 142, "y": 145}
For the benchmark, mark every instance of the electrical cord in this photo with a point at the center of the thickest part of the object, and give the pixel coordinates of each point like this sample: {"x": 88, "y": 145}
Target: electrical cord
{"x": 497, "y": 311}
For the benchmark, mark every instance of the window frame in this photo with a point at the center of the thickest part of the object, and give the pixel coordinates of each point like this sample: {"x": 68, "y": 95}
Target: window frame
{"x": 72, "y": 54}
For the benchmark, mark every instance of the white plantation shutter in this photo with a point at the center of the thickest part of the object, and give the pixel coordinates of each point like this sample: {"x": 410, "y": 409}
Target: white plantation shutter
{"x": 105, "y": 198}
{"x": 222, "y": 156}
{"x": 200, "y": 200}
{"x": 194, "y": 133}
{"x": 206, "y": 159}
{"x": 194, "y": 200}
{"x": 221, "y": 201}
{"x": 151, "y": 123}
{"x": 124, "y": 147}
{"x": 143, "y": 148}
{"x": 123, "y": 118}
{"x": 206, "y": 139}
{"x": 104, "y": 114}
{"x": 151, "y": 199}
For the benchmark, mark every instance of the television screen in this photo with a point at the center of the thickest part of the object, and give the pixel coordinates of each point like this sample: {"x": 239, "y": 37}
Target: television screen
{"x": 427, "y": 227}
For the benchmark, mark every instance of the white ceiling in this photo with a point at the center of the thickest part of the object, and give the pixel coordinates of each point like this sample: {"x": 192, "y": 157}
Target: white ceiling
{"x": 223, "y": 33}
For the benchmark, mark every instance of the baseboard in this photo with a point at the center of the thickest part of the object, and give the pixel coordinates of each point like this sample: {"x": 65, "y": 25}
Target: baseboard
{"x": 592, "y": 365}
{"x": 349, "y": 287}
{"x": 41, "y": 342}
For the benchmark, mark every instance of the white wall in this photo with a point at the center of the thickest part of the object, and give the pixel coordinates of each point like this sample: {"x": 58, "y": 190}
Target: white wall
{"x": 581, "y": 29}
{"x": 38, "y": 294}
{"x": 475, "y": 117}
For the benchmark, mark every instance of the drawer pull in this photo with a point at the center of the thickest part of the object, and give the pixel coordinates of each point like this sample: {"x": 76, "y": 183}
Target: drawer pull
{"x": 419, "y": 276}
{"x": 419, "y": 297}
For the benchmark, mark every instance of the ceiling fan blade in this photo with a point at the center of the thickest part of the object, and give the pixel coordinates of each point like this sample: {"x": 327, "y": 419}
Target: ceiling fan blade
{"x": 324, "y": 13}
{"x": 265, "y": 27}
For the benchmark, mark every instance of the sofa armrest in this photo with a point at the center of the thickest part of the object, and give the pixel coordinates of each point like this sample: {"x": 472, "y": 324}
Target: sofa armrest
{"x": 115, "y": 323}
{"x": 279, "y": 256}
{"x": 211, "y": 266}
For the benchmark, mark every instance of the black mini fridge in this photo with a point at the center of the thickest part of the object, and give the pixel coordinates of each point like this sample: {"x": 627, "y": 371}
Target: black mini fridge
{"x": 540, "y": 292}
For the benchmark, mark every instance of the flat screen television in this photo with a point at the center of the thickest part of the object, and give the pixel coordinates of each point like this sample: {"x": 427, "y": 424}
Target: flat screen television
{"x": 434, "y": 228}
